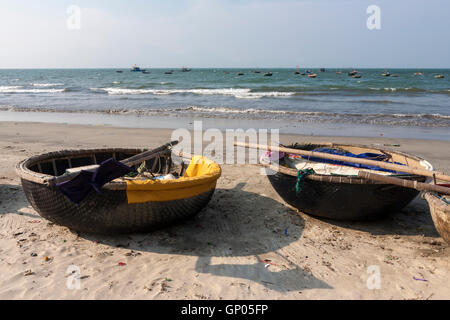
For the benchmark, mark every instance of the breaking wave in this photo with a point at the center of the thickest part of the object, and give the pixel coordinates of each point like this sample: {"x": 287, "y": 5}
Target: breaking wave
{"x": 262, "y": 92}
{"x": 45, "y": 85}
{"x": 421, "y": 120}
{"x": 237, "y": 93}
{"x": 21, "y": 89}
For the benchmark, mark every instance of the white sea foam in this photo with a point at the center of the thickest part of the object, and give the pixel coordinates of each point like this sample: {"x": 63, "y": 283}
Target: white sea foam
{"x": 20, "y": 89}
{"x": 45, "y": 85}
{"x": 237, "y": 93}
{"x": 7, "y": 88}
{"x": 222, "y": 110}
{"x": 219, "y": 110}
{"x": 244, "y": 111}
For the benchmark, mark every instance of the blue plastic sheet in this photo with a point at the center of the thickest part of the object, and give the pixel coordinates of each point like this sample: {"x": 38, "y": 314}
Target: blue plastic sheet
{"x": 368, "y": 155}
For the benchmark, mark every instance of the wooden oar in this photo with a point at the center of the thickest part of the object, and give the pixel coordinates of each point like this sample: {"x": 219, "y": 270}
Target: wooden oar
{"x": 374, "y": 177}
{"x": 380, "y": 164}
{"x": 404, "y": 183}
{"x": 141, "y": 157}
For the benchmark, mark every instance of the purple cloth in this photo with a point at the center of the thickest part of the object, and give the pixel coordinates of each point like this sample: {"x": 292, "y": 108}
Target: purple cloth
{"x": 79, "y": 187}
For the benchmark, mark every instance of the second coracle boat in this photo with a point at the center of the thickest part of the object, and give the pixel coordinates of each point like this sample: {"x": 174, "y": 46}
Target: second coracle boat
{"x": 344, "y": 195}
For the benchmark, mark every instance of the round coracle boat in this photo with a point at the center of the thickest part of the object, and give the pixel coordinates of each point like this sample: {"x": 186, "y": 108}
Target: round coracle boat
{"x": 440, "y": 212}
{"x": 124, "y": 205}
{"x": 340, "y": 194}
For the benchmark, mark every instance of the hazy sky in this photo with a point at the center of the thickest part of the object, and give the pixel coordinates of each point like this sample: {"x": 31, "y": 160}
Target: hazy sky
{"x": 220, "y": 33}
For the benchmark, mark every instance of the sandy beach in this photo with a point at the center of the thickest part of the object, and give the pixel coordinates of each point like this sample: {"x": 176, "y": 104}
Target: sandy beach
{"x": 218, "y": 254}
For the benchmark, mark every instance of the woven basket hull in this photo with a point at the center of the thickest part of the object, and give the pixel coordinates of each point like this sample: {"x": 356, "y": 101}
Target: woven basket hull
{"x": 347, "y": 197}
{"x": 342, "y": 201}
{"x": 110, "y": 212}
{"x": 440, "y": 212}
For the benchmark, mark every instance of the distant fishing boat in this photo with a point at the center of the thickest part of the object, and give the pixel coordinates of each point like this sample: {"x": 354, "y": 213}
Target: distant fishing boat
{"x": 352, "y": 73}
{"x": 183, "y": 69}
{"x": 356, "y": 76}
{"x": 239, "y": 74}
{"x": 256, "y": 71}
{"x": 146, "y": 72}
{"x": 322, "y": 69}
{"x": 439, "y": 76}
{"x": 136, "y": 69}
{"x": 313, "y": 75}
{"x": 386, "y": 74}
{"x": 268, "y": 74}
{"x": 169, "y": 72}
{"x": 418, "y": 73}
{"x": 119, "y": 71}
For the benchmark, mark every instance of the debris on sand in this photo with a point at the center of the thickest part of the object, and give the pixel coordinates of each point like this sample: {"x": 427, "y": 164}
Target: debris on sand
{"x": 28, "y": 273}
{"x": 132, "y": 254}
{"x": 419, "y": 279}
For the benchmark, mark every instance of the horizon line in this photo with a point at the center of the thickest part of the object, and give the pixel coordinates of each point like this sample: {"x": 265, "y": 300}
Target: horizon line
{"x": 246, "y": 67}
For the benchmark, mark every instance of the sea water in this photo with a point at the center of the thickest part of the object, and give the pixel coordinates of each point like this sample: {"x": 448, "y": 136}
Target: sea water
{"x": 332, "y": 103}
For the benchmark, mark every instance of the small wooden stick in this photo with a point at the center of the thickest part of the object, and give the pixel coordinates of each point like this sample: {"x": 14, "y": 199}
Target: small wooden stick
{"x": 404, "y": 183}
{"x": 141, "y": 157}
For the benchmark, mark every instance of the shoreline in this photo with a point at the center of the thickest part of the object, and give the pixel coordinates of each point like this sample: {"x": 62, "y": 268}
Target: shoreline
{"x": 286, "y": 127}
{"x": 217, "y": 254}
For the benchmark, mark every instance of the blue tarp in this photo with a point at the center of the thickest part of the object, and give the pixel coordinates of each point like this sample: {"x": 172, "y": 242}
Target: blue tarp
{"x": 369, "y": 156}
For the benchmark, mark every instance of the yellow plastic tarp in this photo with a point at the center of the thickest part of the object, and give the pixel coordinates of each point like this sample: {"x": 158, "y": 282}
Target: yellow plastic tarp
{"x": 201, "y": 176}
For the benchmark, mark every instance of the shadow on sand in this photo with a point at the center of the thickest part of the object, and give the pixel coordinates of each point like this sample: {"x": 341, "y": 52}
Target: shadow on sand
{"x": 12, "y": 200}
{"x": 413, "y": 220}
{"x": 231, "y": 226}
